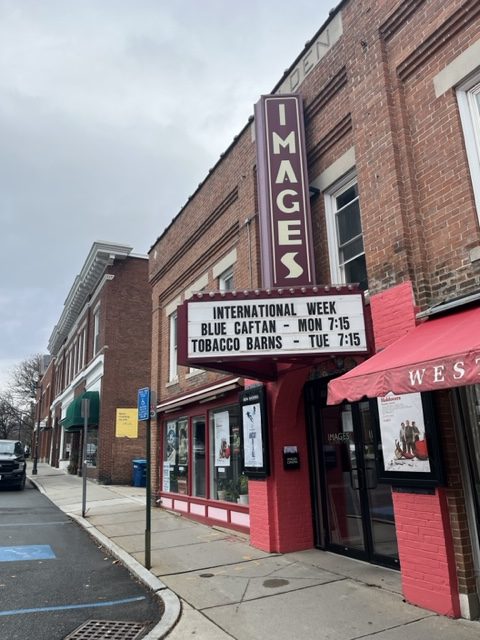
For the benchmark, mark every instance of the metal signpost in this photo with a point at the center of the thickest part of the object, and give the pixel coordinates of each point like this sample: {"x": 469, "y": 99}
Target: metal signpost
{"x": 144, "y": 416}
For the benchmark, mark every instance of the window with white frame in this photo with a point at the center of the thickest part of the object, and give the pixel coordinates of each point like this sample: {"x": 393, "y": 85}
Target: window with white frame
{"x": 225, "y": 280}
{"x": 96, "y": 331}
{"x": 67, "y": 367}
{"x": 75, "y": 357}
{"x": 345, "y": 236}
{"x": 84, "y": 346}
{"x": 79, "y": 351}
{"x": 223, "y": 271}
{"x": 172, "y": 366}
{"x": 468, "y": 96}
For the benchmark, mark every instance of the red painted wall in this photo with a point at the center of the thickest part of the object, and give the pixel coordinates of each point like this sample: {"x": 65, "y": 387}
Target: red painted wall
{"x": 280, "y": 507}
{"x": 424, "y": 535}
{"x": 426, "y": 551}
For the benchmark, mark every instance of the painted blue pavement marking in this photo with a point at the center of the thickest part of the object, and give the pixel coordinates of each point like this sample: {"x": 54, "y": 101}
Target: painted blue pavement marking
{"x": 111, "y": 603}
{"x": 26, "y": 552}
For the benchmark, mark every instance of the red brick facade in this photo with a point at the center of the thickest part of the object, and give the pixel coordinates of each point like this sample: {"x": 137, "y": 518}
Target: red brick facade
{"x": 381, "y": 105}
{"x": 115, "y": 363}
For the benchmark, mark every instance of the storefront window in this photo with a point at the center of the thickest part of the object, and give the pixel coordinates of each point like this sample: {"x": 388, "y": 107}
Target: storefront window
{"x": 198, "y": 457}
{"x": 92, "y": 443}
{"x": 226, "y": 480}
{"x": 67, "y": 446}
{"x": 175, "y": 456}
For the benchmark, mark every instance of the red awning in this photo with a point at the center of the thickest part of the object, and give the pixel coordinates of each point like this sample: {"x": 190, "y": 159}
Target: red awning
{"x": 436, "y": 354}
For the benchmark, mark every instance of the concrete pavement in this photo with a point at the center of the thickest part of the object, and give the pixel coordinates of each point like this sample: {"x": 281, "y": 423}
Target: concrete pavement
{"x": 216, "y": 586}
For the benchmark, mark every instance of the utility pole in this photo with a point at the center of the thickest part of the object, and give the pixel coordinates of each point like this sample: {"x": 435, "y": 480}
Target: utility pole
{"x": 36, "y": 432}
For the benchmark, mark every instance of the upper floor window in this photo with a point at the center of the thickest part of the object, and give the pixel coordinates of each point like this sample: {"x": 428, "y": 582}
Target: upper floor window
{"x": 225, "y": 280}
{"x": 468, "y": 96}
{"x": 68, "y": 367}
{"x": 345, "y": 236}
{"x": 172, "y": 365}
{"x": 96, "y": 331}
{"x": 223, "y": 271}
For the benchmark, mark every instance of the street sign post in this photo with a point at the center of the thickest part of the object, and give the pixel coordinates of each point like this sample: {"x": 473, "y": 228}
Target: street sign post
{"x": 143, "y": 404}
{"x": 144, "y": 416}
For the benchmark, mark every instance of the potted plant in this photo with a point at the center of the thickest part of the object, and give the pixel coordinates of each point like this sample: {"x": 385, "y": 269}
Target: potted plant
{"x": 243, "y": 489}
{"x": 221, "y": 489}
{"x": 226, "y": 490}
{"x": 232, "y": 491}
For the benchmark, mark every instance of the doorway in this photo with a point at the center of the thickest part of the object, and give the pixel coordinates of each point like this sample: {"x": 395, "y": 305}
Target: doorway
{"x": 353, "y": 513}
{"x": 467, "y": 419}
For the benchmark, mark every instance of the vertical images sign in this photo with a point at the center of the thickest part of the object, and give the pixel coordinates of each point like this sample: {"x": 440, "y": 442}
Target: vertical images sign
{"x": 284, "y": 201}
{"x": 254, "y": 432}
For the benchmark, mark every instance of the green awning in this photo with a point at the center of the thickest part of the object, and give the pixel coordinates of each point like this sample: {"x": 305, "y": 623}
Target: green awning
{"x": 74, "y": 420}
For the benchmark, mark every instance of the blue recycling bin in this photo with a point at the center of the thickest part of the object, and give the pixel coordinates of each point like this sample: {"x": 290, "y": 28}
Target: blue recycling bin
{"x": 139, "y": 473}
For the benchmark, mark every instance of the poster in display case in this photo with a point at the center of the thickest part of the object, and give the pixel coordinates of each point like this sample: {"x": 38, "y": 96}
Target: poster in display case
{"x": 254, "y": 432}
{"x": 408, "y": 444}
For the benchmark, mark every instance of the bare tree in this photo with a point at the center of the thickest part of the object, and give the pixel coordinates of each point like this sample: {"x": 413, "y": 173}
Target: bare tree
{"x": 17, "y": 403}
{"x": 15, "y": 423}
{"x": 25, "y": 376}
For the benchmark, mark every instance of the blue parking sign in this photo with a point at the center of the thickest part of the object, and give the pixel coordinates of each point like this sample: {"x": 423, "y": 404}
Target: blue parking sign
{"x": 144, "y": 403}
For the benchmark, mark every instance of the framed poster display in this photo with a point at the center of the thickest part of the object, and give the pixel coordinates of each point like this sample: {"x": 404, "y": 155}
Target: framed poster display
{"x": 255, "y": 432}
{"x": 222, "y": 439}
{"x": 172, "y": 443}
{"x": 408, "y": 446}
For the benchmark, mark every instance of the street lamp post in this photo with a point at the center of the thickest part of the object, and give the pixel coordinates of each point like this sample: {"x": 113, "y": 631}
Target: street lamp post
{"x": 36, "y": 433}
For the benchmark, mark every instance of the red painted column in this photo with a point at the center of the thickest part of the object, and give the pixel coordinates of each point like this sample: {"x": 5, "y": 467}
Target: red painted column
{"x": 426, "y": 551}
{"x": 280, "y": 506}
{"x": 422, "y": 522}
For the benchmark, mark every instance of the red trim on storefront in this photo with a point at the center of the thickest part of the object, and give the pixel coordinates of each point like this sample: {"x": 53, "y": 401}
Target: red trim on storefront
{"x": 228, "y": 507}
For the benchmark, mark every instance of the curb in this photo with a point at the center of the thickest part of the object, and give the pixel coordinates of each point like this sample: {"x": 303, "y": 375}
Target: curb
{"x": 172, "y": 605}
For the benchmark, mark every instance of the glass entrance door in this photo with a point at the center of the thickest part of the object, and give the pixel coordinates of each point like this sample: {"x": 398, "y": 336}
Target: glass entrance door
{"x": 353, "y": 512}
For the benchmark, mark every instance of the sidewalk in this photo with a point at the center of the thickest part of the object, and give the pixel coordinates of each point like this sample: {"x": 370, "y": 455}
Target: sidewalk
{"x": 216, "y": 587}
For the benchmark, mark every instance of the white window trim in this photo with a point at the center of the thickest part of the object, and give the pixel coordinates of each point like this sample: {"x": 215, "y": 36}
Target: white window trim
{"x": 225, "y": 263}
{"x": 336, "y": 274}
{"x": 223, "y": 277}
{"x": 96, "y": 330}
{"x": 198, "y": 285}
{"x": 172, "y": 348}
{"x": 470, "y": 117}
{"x": 171, "y": 307}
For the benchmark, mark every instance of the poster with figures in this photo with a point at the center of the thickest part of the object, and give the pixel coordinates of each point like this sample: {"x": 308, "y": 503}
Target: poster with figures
{"x": 222, "y": 439}
{"x": 252, "y": 436}
{"x": 402, "y": 431}
{"x": 172, "y": 443}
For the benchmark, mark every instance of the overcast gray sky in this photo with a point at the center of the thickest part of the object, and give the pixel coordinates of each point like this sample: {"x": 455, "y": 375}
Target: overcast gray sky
{"x": 111, "y": 113}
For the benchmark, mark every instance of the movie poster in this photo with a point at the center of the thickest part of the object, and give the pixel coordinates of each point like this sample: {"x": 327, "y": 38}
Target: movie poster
{"x": 252, "y": 436}
{"x": 402, "y": 430}
{"x": 172, "y": 443}
{"x": 222, "y": 439}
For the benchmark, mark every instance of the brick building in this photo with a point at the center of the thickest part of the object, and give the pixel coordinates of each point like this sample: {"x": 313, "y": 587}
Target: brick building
{"x": 391, "y": 100}
{"x": 100, "y": 347}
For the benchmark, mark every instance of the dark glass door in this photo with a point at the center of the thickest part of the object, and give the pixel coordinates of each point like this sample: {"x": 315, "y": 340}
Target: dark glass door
{"x": 353, "y": 512}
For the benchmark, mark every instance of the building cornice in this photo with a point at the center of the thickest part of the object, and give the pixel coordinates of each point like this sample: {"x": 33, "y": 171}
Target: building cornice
{"x": 100, "y": 257}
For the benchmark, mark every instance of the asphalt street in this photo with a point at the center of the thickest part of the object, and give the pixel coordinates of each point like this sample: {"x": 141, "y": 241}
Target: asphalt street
{"x": 54, "y": 576}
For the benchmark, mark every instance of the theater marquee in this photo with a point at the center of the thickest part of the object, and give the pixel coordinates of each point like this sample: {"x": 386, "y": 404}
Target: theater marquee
{"x": 230, "y": 327}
